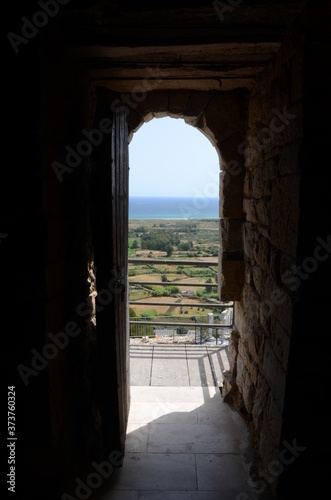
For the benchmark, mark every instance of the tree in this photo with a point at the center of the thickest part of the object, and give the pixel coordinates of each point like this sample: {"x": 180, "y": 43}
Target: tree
{"x": 209, "y": 288}
{"x": 135, "y": 244}
{"x": 169, "y": 249}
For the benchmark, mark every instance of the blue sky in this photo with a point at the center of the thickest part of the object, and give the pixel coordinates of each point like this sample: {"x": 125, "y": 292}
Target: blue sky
{"x": 170, "y": 158}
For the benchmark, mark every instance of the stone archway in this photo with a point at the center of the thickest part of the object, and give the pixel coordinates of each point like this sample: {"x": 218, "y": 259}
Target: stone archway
{"x": 221, "y": 117}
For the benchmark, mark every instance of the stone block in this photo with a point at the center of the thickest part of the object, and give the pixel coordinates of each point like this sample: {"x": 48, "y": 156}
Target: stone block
{"x": 251, "y": 304}
{"x": 231, "y": 235}
{"x": 144, "y": 109}
{"x": 245, "y": 384}
{"x": 274, "y": 373}
{"x": 259, "y": 407}
{"x": 196, "y": 105}
{"x": 259, "y": 278}
{"x": 265, "y": 316}
{"x": 251, "y": 241}
{"x": 257, "y": 211}
{"x": 264, "y": 253}
{"x": 178, "y": 101}
{"x": 240, "y": 318}
{"x": 249, "y": 358}
{"x": 232, "y": 156}
{"x": 158, "y": 101}
{"x": 256, "y": 186}
{"x": 231, "y": 192}
{"x": 135, "y": 121}
{"x": 231, "y": 278}
{"x": 256, "y": 345}
{"x": 225, "y": 115}
{"x": 276, "y": 298}
{"x": 252, "y": 150}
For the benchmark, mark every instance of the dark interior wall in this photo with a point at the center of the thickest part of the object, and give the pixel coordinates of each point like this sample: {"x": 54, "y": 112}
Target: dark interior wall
{"x": 282, "y": 317}
{"x": 67, "y": 111}
{"x": 23, "y": 259}
{"x": 50, "y": 343}
{"x": 306, "y": 417}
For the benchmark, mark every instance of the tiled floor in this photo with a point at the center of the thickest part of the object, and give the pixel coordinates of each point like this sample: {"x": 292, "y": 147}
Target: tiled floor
{"x": 183, "y": 442}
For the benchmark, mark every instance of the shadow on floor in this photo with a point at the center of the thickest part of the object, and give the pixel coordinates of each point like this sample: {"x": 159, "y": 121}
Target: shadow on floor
{"x": 182, "y": 443}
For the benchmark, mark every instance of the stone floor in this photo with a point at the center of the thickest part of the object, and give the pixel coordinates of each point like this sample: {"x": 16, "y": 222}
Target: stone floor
{"x": 183, "y": 442}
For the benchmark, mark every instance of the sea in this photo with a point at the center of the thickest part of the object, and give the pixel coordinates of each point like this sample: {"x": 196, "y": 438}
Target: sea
{"x": 150, "y": 207}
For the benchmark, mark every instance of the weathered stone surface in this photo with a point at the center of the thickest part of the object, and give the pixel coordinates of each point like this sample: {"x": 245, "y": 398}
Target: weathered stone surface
{"x": 233, "y": 160}
{"x": 275, "y": 374}
{"x": 231, "y": 235}
{"x": 285, "y": 213}
{"x": 135, "y": 121}
{"x": 178, "y": 101}
{"x": 245, "y": 384}
{"x": 251, "y": 240}
{"x": 255, "y": 344}
{"x": 265, "y": 316}
{"x": 251, "y": 362}
{"x": 256, "y": 186}
{"x": 240, "y": 317}
{"x": 196, "y": 105}
{"x": 158, "y": 101}
{"x": 251, "y": 304}
{"x": 225, "y": 115}
{"x": 263, "y": 255}
{"x": 259, "y": 277}
{"x": 280, "y": 340}
{"x": 257, "y": 211}
{"x": 252, "y": 150}
{"x": 291, "y": 118}
{"x": 144, "y": 109}
{"x": 259, "y": 407}
{"x": 231, "y": 203}
{"x": 279, "y": 302}
{"x": 270, "y": 433}
{"x": 231, "y": 278}
{"x": 287, "y": 271}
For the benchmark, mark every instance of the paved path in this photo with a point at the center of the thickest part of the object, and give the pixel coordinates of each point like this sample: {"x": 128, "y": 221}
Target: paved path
{"x": 183, "y": 442}
{"x": 178, "y": 366}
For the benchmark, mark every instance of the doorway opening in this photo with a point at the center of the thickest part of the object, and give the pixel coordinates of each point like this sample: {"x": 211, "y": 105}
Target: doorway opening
{"x": 174, "y": 237}
{"x": 179, "y": 434}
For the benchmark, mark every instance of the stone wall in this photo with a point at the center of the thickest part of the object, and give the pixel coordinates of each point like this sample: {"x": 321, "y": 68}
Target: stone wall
{"x": 263, "y": 316}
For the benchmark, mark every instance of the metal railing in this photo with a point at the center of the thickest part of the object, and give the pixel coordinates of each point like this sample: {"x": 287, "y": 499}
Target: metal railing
{"x": 211, "y": 327}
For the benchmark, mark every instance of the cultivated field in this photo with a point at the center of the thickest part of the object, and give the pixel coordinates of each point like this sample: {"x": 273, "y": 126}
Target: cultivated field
{"x": 196, "y": 239}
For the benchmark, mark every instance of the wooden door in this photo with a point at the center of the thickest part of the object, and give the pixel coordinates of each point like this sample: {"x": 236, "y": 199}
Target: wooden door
{"x": 120, "y": 204}
{"x": 110, "y": 245}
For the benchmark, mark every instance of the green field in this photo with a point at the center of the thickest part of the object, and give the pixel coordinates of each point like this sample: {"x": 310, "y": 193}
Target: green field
{"x": 196, "y": 239}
